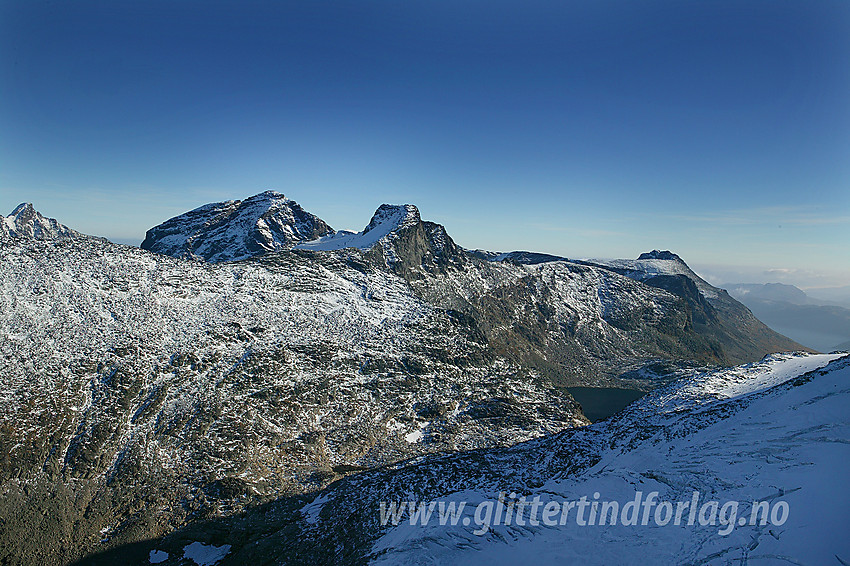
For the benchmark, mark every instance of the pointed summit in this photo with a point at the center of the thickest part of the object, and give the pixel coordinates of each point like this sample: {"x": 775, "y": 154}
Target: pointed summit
{"x": 399, "y": 238}
{"x": 392, "y": 217}
{"x": 236, "y": 229}
{"x": 26, "y": 222}
{"x": 25, "y": 208}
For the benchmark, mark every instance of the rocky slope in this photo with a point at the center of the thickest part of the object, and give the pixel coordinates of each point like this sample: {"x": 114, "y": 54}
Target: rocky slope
{"x": 155, "y": 391}
{"x": 733, "y": 333}
{"x": 772, "y": 432}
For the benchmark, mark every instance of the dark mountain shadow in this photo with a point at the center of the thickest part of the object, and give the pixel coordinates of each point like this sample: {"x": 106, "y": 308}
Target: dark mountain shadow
{"x": 265, "y": 534}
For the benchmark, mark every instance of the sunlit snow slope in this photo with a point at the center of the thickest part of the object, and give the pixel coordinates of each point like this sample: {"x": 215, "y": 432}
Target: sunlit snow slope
{"x": 758, "y": 432}
{"x": 776, "y": 430}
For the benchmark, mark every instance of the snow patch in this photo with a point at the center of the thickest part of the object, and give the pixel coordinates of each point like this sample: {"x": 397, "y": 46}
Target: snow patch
{"x": 416, "y": 435}
{"x": 205, "y": 554}
{"x": 311, "y": 510}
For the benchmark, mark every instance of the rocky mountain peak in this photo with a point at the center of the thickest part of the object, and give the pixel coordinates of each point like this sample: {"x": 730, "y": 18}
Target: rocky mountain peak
{"x": 26, "y": 222}
{"x": 236, "y": 229}
{"x": 660, "y": 254}
{"x": 397, "y": 236}
{"x": 387, "y": 221}
{"x": 270, "y": 199}
{"x": 24, "y": 208}
{"x": 391, "y": 217}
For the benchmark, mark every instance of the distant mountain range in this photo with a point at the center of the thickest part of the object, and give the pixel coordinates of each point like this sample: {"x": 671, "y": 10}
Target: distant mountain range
{"x": 248, "y": 353}
{"x": 817, "y": 323}
{"x": 839, "y": 296}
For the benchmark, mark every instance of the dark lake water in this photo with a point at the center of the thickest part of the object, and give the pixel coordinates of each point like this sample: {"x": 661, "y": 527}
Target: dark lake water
{"x": 601, "y": 402}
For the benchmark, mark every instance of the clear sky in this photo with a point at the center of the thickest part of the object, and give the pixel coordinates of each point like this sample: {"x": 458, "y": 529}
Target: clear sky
{"x": 719, "y": 130}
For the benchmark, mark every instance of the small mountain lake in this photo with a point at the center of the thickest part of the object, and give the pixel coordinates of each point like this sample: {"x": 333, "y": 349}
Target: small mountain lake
{"x": 599, "y": 403}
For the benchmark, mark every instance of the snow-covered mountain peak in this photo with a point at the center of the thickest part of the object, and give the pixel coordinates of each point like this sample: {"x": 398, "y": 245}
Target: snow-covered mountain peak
{"x": 236, "y": 229}
{"x": 659, "y": 263}
{"x": 26, "y": 222}
{"x": 23, "y": 208}
{"x": 387, "y": 220}
{"x": 269, "y": 193}
{"x": 269, "y": 199}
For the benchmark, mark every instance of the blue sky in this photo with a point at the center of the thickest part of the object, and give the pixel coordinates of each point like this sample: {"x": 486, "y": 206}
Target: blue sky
{"x": 720, "y": 130}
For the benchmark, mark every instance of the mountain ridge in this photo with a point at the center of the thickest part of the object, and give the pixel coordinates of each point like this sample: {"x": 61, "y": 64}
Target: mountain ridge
{"x": 819, "y": 324}
{"x": 388, "y": 219}
{"x": 399, "y": 240}
{"x": 144, "y": 392}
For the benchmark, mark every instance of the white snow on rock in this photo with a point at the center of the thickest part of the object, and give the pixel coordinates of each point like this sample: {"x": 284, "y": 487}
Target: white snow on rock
{"x": 26, "y": 222}
{"x": 387, "y": 219}
{"x": 205, "y": 554}
{"x": 658, "y": 263}
{"x": 236, "y": 229}
{"x": 417, "y": 435}
{"x": 157, "y": 556}
{"x": 773, "y": 370}
{"x": 772, "y": 431}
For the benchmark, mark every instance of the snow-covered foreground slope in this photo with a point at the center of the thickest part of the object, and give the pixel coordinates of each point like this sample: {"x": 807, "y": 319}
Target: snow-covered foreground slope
{"x": 755, "y": 433}
{"x": 775, "y": 433}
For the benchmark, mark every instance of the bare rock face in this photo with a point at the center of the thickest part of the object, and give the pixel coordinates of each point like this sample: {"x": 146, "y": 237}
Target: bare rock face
{"x": 660, "y": 254}
{"x": 236, "y": 229}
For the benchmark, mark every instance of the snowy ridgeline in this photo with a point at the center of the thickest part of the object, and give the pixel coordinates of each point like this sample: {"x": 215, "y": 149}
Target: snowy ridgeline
{"x": 304, "y": 351}
{"x": 387, "y": 220}
{"x": 753, "y": 433}
{"x": 237, "y": 230}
